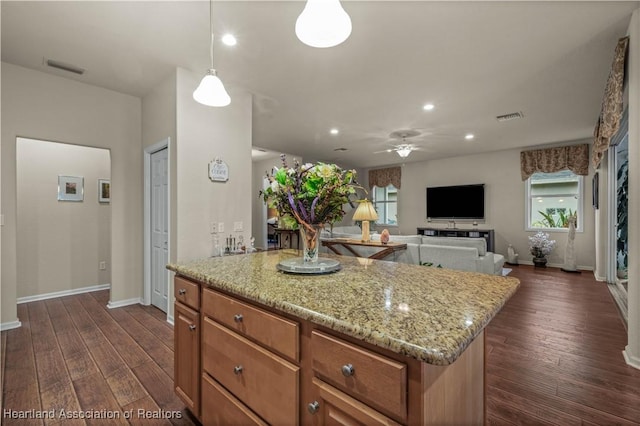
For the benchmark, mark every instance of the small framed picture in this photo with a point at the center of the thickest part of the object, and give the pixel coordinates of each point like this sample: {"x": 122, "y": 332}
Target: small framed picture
{"x": 104, "y": 190}
{"x": 70, "y": 188}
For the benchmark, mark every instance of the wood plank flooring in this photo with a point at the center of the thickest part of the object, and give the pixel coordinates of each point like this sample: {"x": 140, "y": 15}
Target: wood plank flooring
{"x": 554, "y": 358}
{"x": 74, "y": 354}
{"x": 555, "y": 355}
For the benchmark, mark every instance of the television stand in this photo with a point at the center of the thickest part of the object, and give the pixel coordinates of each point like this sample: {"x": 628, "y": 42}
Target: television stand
{"x": 487, "y": 234}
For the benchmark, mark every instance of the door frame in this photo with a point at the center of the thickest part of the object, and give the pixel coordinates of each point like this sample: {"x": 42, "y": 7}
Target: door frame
{"x": 158, "y": 146}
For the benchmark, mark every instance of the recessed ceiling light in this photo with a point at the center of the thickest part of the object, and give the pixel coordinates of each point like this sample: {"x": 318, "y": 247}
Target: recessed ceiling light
{"x": 428, "y": 107}
{"x": 334, "y": 131}
{"x": 229, "y": 40}
{"x": 561, "y": 200}
{"x": 468, "y": 136}
{"x": 539, "y": 200}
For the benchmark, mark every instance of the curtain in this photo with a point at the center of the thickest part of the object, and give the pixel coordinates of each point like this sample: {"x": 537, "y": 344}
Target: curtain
{"x": 385, "y": 177}
{"x": 612, "y": 108}
{"x": 549, "y": 160}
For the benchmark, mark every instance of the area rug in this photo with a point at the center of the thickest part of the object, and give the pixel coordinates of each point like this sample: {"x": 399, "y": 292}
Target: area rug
{"x": 506, "y": 271}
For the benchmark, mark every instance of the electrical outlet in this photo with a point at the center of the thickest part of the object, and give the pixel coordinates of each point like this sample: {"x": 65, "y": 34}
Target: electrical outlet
{"x": 103, "y": 265}
{"x": 237, "y": 226}
{"x": 221, "y": 227}
{"x": 213, "y": 227}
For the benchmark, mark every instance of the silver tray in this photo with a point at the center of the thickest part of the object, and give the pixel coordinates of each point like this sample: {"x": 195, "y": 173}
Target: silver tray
{"x": 298, "y": 266}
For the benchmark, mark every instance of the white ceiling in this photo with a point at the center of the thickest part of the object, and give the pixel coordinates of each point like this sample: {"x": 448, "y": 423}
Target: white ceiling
{"x": 473, "y": 60}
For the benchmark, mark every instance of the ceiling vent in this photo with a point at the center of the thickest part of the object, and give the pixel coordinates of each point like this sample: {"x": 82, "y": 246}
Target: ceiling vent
{"x": 508, "y": 117}
{"x": 64, "y": 66}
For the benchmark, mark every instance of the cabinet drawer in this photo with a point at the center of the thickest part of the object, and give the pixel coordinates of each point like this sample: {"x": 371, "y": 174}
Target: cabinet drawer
{"x": 264, "y": 382}
{"x": 221, "y": 408}
{"x": 378, "y": 381}
{"x": 337, "y": 408}
{"x": 187, "y": 292}
{"x": 275, "y": 332}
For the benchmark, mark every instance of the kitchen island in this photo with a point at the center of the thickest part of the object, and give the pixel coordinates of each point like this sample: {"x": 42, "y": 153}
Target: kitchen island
{"x": 374, "y": 343}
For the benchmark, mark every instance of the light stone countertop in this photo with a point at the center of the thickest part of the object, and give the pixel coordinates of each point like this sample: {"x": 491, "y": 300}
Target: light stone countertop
{"x": 427, "y": 313}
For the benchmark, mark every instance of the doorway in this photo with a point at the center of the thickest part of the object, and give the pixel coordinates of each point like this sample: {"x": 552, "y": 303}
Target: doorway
{"x": 63, "y": 223}
{"x": 156, "y": 164}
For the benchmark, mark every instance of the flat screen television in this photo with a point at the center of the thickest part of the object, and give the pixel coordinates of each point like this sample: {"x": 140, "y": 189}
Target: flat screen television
{"x": 456, "y": 202}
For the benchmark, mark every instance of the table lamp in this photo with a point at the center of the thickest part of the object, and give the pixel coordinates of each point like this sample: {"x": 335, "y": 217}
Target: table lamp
{"x": 365, "y": 212}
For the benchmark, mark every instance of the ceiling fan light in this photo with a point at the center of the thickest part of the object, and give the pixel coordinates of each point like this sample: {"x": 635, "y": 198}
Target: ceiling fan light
{"x": 404, "y": 152}
{"x": 211, "y": 91}
{"x": 323, "y": 23}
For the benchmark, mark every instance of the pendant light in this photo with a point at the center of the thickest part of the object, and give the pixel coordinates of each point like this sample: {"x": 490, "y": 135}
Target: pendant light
{"x": 323, "y": 23}
{"x": 211, "y": 91}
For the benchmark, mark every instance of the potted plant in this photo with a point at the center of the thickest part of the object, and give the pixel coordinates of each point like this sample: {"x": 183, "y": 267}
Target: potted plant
{"x": 540, "y": 246}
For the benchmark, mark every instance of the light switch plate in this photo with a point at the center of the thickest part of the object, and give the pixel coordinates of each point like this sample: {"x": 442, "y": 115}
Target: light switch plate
{"x": 221, "y": 227}
{"x": 237, "y": 226}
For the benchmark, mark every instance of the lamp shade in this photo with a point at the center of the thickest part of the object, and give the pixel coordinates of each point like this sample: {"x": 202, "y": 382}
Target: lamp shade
{"x": 211, "y": 91}
{"x": 365, "y": 211}
{"x": 404, "y": 152}
{"x": 323, "y": 23}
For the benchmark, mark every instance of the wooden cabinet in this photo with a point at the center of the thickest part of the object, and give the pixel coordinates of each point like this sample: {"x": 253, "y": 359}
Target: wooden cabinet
{"x": 237, "y": 362}
{"x": 187, "y": 356}
{"x": 379, "y": 381}
{"x": 336, "y": 408}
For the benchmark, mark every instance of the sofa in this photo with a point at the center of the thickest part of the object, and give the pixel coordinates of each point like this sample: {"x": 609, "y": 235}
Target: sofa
{"x": 463, "y": 254}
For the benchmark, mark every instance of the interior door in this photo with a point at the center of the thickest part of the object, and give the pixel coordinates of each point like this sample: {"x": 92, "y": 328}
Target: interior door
{"x": 159, "y": 229}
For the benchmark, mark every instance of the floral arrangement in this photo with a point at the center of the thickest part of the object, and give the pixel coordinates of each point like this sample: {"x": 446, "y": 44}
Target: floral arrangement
{"x": 541, "y": 245}
{"x": 309, "y": 195}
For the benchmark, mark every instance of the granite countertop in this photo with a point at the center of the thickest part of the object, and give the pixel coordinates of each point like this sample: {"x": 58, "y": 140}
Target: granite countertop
{"x": 427, "y": 313}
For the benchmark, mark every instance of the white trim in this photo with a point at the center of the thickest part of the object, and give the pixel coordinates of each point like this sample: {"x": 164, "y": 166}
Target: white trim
{"x": 631, "y": 360}
{"x": 598, "y": 278}
{"x": 121, "y": 303}
{"x": 557, "y": 265}
{"x": 170, "y": 319}
{"x": 10, "y": 325}
{"x": 55, "y": 294}
{"x": 528, "y": 206}
{"x": 158, "y": 146}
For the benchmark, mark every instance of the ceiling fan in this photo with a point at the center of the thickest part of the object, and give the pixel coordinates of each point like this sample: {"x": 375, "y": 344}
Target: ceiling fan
{"x": 403, "y": 149}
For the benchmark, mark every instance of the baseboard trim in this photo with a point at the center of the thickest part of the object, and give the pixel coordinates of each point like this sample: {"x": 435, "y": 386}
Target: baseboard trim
{"x": 62, "y": 293}
{"x": 10, "y": 325}
{"x": 170, "y": 320}
{"x": 556, "y": 265}
{"x": 127, "y": 302}
{"x": 631, "y": 360}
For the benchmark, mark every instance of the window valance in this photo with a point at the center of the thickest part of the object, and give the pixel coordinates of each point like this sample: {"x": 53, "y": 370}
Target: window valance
{"x": 612, "y": 108}
{"x": 384, "y": 177}
{"x": 550, "y": 160}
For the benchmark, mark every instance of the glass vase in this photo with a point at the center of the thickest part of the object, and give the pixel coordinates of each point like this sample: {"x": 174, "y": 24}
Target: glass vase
{"x": 310, "y": 235}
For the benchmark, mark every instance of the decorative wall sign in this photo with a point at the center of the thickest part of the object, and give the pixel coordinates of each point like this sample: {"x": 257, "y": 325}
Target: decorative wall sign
{"x": 70, "y": 188}
{"x": 218, "y": 171}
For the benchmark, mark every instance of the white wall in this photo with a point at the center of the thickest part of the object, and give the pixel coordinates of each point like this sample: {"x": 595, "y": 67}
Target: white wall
{"x": 60, "y": 243}
{"x": 204, "y": 133}
{"x": 42, "y": 106}
{"x": 504, "y": 201}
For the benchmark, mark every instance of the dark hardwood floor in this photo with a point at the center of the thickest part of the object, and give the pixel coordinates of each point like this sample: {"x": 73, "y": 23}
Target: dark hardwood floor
{"x": 554, "y": 357}
{"x": 555, "y": 354}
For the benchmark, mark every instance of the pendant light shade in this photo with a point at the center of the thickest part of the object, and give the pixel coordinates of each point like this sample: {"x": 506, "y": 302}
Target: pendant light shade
{"x": 323, "y": 23}
{"x": 211, "y": 91}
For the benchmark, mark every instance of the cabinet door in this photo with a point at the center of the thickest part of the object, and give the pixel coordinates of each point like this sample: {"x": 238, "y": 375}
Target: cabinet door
{"x": 186, "y": 332}
{"x": 334, "y": 408}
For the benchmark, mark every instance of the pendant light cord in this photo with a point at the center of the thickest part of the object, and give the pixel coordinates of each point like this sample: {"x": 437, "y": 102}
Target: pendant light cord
{"x": 211, "y": 28}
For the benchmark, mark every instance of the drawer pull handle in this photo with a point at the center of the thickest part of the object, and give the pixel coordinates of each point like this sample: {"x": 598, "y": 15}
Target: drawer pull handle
{"x": 348, "y": 370}
{"x": 238, "y": 317}
{"x": 182, "y": 291}
{"x": 313, "y": 407}
{"x": 192, "y": 327}
{"x": 237, "y": 369}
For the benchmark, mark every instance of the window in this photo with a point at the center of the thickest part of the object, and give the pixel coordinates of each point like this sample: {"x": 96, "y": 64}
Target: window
{"x": 385, "y": 201}
{"x": 552, "y": 198}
